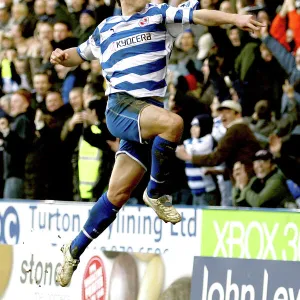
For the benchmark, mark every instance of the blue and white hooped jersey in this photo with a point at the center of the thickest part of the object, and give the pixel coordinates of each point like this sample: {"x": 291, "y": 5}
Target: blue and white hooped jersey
{"x": 134, "y": 51}
{"x": 197, "y": 180}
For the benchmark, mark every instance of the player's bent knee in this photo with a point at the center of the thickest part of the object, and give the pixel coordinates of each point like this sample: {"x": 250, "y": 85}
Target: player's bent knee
{"x": 170, "y": 121}
{"x": 177, "y": 122}
{"x": 118, "y": 197}
{"x": 175, "y": 125}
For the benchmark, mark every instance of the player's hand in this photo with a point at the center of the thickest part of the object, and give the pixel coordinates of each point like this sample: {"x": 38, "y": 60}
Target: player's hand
{"x": 58, "y": 56}
{"x": 248, "y": 23}
{"x": 263, "y": 32}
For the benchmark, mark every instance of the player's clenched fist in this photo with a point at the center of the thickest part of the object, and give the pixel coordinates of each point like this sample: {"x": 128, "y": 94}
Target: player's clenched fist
{"x": 58, "y": 56}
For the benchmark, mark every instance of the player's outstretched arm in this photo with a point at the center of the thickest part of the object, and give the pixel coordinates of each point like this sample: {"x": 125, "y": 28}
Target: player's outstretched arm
{"x": 216, "y": 18}
{"x": 67, "y": 58}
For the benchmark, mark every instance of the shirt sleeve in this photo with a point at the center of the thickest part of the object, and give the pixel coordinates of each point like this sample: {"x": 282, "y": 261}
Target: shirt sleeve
{"x": 90, "y": 49}
{"x": 181, "y": 15}
{"x": 193, "y": 4}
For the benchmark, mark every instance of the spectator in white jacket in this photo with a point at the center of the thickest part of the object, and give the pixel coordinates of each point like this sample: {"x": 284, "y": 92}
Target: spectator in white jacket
{"x": 201, "y": 142}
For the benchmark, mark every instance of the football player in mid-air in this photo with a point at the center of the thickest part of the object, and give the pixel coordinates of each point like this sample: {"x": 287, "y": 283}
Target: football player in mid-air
{"x": 133, "y": 50}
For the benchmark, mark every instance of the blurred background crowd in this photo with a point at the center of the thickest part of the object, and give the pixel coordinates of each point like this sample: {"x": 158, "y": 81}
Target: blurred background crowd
{"x": 237, "y": 92}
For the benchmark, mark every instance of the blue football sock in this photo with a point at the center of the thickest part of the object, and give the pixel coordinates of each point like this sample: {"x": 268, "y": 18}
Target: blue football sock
{"x": 163, "y": 152}
{"x": 101, "y": 216}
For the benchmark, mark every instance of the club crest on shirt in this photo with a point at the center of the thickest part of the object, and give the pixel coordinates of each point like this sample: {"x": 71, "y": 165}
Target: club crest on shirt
{"x": 144, "y": 21}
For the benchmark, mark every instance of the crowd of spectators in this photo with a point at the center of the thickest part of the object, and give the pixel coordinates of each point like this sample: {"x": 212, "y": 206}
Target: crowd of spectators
{"x": 237, "y": 92}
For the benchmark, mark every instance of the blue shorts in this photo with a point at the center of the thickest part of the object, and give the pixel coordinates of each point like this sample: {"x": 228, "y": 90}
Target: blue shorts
{"x": 123, "y": 121}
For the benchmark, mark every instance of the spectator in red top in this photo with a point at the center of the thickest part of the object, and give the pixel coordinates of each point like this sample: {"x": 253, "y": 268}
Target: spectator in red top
{"x": 289, "y": 38}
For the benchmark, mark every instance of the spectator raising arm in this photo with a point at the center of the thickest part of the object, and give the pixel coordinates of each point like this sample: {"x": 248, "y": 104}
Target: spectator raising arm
{"x": 286, "y": 59}
{"x": 294, "y": 20}
{"x": 278, "y": 27}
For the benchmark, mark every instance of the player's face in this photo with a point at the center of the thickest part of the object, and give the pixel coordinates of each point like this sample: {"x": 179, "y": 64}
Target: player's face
{"x": 138, "y": 4}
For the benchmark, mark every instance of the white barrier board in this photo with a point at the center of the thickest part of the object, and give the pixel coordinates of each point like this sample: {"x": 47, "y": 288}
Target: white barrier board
{"x": 136, "y": 229}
